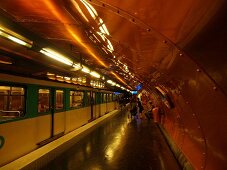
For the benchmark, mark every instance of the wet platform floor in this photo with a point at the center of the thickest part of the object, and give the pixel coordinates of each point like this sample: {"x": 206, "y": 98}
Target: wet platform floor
{"x": 119, "y": 144}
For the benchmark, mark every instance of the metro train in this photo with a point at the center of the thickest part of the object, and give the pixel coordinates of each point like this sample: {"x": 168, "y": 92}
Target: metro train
{"x": 34, "y": 111}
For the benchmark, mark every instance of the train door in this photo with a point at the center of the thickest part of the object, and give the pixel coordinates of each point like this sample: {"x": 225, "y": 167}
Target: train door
{"x": 94, "y": 104}
{"x": 57, "y": 113}
{"x": 107, "y": 100}
{"x": 50, "y": 106}
{"x": 92, "y": 101}
{"x": 98, "y": 104}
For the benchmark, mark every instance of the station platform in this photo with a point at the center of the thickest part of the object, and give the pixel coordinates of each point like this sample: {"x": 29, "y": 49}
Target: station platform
{"x": 114, "y": 141}
{"x": 120, "y": 143}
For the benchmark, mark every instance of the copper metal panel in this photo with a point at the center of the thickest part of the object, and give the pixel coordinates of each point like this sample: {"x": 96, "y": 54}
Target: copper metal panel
{"x": 206, "y": 108}
{"x": 150, "y": 37}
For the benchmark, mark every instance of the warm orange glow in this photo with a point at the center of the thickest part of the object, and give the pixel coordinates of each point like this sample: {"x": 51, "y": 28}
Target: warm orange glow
{"x": 79, "y": 10}
{"x": 73, "y": 32}
{"x": 54, "y": 9}
{"x": 88, "y": 49}
{"x": 119, "y": 78}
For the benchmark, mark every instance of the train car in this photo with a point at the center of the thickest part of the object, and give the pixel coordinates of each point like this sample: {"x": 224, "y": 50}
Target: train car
{"x": 34, "y": 112}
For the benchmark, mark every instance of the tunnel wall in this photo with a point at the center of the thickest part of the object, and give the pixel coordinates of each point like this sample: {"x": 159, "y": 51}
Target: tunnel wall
{"x": 196, "y": 83}
{"x": 197, "y": 122}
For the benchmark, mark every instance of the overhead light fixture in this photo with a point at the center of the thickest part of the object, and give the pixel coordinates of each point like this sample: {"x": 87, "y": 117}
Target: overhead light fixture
{"x": 5, "y": 60}
{"x": 85, "y": 69}
{"x": 57, "y": 56}
{"x": 109, "y": 81}
{"x": 90, "y": 9}
{"x": 79, "y": 10}
{"x": 77, "y": 66}
{"x": 95, "y": 74}
{"x": 102, "y": 36}
{"x": 12, "y": 36}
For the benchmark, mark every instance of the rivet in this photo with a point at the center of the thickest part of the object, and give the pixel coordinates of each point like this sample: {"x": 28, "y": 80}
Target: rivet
{"x": 204, "y": 153}
{"x": 164, "y": 41}
{"x": 201, "y": 167}
{"x": 198, "y": 127}
{"x": 181, "y": 54}
{"x": 133, "y": 20}
{"x": 118, "y": 11}
{"x": 214, "y": 88}
{"x": 187, "y": 102}
{"x": 148, "y": 29}
{"x": 193, "y": 114}
{"x": 103, "y": 5}
{"x": 198, "y": 70}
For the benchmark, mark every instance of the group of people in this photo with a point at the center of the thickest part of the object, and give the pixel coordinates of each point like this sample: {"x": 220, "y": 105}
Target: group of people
{"x": 139, "y": 111}
{"x": 136, "y": 108}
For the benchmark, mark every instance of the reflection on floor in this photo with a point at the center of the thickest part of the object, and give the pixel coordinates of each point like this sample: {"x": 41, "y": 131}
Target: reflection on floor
{"x": 119, "y": 144}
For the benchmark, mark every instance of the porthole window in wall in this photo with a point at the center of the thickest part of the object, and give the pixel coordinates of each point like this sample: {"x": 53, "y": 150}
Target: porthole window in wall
{"x": 59, "y": 100}
{"x": 76, "y": 99}
{"x": 44, "y": 100}
{"x": 12, "y": 102}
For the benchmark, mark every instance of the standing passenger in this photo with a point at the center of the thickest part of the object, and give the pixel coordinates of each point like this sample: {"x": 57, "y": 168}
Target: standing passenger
{"x": 140, "y": 108}
{"x": 133, "y": 107}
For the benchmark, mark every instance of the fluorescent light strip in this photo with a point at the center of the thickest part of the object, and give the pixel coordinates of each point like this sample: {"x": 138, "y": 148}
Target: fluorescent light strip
{"x": 102, "y": 36}
{"x": 109, "y": 81}
{"x": 90, "y": 9}
{"x": 77, "y": 66}
{"x": 95, "y": 74}
{"x": 79, "y": 10}
{"x": 86, "y": 70}
{"x": 110, "y": 46}
{"x": 10, "y": 35}
{"x": 14, "y": 39}
{"x": 105, "y": 29}
{"x": 18, "y": 41}
{"x": 59, "y": 57}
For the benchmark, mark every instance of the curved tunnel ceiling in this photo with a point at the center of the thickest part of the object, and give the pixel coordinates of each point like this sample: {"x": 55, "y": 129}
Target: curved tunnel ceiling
{"x": 146, "y": 35}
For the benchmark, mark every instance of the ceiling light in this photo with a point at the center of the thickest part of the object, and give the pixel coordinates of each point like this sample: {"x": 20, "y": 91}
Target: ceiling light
{"x": 10, "y": 35}
{"x": 90, "y": 9}
{"x": 57, "y": 56}
{"x": 50, "y": 74}
{"x": 109, "y": 81}
{"x": 77, "y": 66}
{"x": 95, "y": 74}
{"x": 85, "y": 69}
{"x": 79, "y": 10}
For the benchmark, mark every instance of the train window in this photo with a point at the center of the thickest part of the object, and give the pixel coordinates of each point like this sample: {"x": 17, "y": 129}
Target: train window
{"x": 44, "y": 100}
{"x": 12, "y": 102}
{"x": 76, "y": 99}
{"x": 104, "y": 98}
{"x": 59, "y": 102}
{"x": 110, "y": 97}
{"x": 94, "y": 98}
{"x": 88, "y": 98}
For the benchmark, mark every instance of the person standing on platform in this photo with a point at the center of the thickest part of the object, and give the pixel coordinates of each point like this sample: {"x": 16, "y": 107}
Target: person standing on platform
{"x": 140, "y": 108}
{"x": 133, "y": 107}
{"x": 148, "y": 113}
